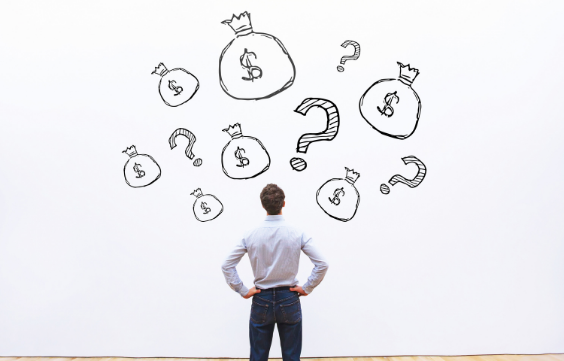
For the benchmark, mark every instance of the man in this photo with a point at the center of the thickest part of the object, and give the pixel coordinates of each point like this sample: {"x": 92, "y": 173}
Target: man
{"x": 274, "y": 251}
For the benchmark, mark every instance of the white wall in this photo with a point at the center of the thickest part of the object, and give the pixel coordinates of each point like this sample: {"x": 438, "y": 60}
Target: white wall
{"x": 471, "y": 261}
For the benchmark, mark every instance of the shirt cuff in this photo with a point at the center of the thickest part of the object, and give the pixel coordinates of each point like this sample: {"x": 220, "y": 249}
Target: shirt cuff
{"x": 243, "y": 291}
{"x": 307, "y": 288}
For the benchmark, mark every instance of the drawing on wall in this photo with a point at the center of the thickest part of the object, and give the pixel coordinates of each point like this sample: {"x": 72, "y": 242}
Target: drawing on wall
{"x": 391, "y": 106}
{"x": 191, "y": 140}
{"x": 176, "y": 86}
{"x": 411, "y": 183}
{"x": 254, "y": 65}
{"x": 140, "y": 170}
{"x": 339, "y": 198}
{"x": 355, "y": 56}
{"x": 206, "y": 207}
{"x": 243, "y": 157}
{"x": 330, "y": 132}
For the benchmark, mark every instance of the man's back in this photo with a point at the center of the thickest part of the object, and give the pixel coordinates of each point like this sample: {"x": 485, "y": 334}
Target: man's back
{"x": 274, "y": 251}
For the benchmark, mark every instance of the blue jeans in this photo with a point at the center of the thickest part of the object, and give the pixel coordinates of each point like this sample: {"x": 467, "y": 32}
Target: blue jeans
{"x": 281, "y": 306}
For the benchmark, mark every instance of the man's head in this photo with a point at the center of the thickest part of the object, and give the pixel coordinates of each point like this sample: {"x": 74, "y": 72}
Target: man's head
{"x": 272, "y": 199}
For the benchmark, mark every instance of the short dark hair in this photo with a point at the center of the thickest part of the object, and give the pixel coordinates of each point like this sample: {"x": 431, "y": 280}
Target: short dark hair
{"x": 272, "y": 198}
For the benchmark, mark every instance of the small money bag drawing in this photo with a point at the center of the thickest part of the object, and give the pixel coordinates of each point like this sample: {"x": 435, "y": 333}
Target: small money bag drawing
{"x": 206, "y": 207}
{"x": 254, "y": 65}
{"x": 140, "y": 169}
{"x": 391, "y": 106}
{"x": 339, "y": 198}
{"x": 243, "y": 157}
{"x": 177, "y": 86}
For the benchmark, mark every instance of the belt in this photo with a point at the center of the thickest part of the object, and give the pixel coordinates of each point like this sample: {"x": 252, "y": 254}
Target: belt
{"x": 285, "y": 288}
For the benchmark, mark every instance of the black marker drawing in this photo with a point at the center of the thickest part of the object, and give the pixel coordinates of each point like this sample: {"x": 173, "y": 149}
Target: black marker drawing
{"x": 140, "y": 170}
{"x": 411, "y": 183}
{"x": 177, "y": 86}
{"x": 191, "y": 140}
{"x": 355, "y": 56}
{"x": 298, "y": 164}
{"x": 206, "y": 207}
{"x": 328, "y": 134}
{"x": 254, "y": 65}
{"x": 391, "y": 106}
{"x": 339, "y": 198}
{"x": 243, "y": 157}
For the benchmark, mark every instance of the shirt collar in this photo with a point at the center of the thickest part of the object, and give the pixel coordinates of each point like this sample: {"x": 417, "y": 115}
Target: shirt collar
{"x": 275, "y": 218}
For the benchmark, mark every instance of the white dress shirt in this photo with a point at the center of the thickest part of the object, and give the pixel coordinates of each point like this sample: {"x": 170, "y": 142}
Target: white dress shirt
{"x": 274, "y": 251}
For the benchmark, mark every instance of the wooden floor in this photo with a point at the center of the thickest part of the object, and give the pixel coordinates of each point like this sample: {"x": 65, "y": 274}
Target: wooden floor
{"x": 546, "y": 357}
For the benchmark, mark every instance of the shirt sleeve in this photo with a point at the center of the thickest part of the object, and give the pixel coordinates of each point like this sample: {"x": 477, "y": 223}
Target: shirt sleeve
{"x": 319, "y": 262}
{"x": 230, "y": 272}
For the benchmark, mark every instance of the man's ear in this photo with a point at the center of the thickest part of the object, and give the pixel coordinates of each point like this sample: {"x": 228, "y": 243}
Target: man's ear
{"x": 284, "y": 204}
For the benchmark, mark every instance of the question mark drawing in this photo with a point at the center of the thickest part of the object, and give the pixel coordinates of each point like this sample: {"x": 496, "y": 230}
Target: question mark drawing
{"x": 191, "y": 140}
{"x": 355, "y": 56}
{"x": 411, "y": 183}
{"x": 298, "y": 164}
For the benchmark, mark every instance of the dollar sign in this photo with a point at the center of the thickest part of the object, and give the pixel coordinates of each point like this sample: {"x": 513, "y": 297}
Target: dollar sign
{"x": 246, "y": 63}
{"x": 174, "y": 88}
{"x": 244, "y": 161}
{"x": 336, "y": 200}
{"x": 205, "y": 207}
{"x": 140, "y": 173}
{"x": 388, "y": 99}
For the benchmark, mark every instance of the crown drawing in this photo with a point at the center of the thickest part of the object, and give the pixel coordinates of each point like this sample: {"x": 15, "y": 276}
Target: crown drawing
{"x": 240, "y": 24}
{"x": 131, "y": 151}
{"x": 197, "y": 193}
{"x": 160, "y": 70}
{"x": 408, "y": 73}
{"x": 352, "y": 176}
{"x": 234, "y": 131}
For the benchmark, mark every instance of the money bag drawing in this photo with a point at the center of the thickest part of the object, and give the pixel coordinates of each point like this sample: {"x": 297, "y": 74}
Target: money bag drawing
{"x": 339, "y": 198}
{"x": 206, "y": 207}
{"x": 243, "y": 157}
{"x": 391, "y": 106}
{"x": 140, "y": 169}
{"x": 254, "y": 65}
{"x": 177, "y": 86}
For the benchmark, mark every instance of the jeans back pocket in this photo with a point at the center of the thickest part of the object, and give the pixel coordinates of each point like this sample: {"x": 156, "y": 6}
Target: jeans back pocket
{"x": 258, "y": 312}
{"x": 292, "y": 312}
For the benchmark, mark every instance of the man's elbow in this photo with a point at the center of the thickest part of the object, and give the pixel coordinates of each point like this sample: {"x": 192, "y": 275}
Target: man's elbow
{"x": 225, "y": 267}
{"x": 323, "y": 266}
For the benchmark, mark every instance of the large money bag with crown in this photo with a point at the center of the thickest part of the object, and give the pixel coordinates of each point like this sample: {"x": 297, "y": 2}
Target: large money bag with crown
{"x": 391, "y": 106}
{"x": 339, "y": 198}
{"x": 254, "y": 65}
{"x": 206, "y": 207}
{"x": 176, "y": 86}
{"x": 140, "y": 169}
{"x": 243, "y": 157}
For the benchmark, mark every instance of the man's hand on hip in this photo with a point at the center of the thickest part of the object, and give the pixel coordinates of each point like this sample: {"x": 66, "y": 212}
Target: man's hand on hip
{"x": 299, "y": 290}
{"x": 253, "y": 291}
